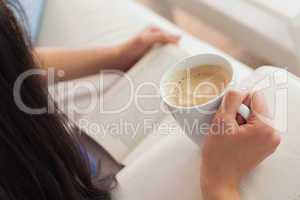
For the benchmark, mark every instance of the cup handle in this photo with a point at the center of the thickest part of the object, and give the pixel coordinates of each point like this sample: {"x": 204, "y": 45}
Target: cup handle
{"x": 244, "y": 111}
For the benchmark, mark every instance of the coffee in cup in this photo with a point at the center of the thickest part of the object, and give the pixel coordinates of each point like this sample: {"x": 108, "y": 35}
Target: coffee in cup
{"x": 197, "y": 85}
{"x": 193, "y": 90}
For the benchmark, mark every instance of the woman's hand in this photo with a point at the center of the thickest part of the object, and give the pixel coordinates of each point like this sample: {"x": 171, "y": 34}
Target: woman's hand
{"x": 233, "y": 148}
{"x": 137, "y": 47}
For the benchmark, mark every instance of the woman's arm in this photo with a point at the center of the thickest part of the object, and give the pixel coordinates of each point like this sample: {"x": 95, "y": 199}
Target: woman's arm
{"x": 81, "y": 62}
{"x": 236, "y": 147}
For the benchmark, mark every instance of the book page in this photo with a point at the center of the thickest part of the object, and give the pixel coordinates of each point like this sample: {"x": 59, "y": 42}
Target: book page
{"x": 128, "y": 111}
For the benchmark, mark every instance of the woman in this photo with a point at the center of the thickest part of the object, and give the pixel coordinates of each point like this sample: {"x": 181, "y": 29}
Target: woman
{"x": 41, "y": 156}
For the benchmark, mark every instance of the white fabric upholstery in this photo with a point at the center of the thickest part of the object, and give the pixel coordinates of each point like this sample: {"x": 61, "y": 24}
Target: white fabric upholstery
{"x": 268, "y": 28}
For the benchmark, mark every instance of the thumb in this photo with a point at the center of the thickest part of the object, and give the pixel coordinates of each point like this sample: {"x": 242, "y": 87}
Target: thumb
{"x": 232, "y": 102}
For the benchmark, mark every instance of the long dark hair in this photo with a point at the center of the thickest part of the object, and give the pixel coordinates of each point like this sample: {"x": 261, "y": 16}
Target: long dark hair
{"x": 39, "y": 156}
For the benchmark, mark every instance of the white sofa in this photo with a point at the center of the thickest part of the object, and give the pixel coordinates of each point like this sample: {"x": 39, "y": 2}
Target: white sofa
{"x": 267, "y": 28}
{"x": 162, "y": 167}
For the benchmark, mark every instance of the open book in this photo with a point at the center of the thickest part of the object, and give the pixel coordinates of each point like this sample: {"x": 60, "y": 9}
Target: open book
{"x": 124, "y": 121}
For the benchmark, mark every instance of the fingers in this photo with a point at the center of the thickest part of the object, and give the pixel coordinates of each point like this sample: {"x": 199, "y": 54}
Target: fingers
{"x": 154, "y": 29}
{"x": 154, "y": 35}
{"x": 161, "y": 37}
{"x": 247, "y": 100}
{"x": 259, "y": 119}
{"x": 258, "y": 104}
{"x": 232, "y": 102}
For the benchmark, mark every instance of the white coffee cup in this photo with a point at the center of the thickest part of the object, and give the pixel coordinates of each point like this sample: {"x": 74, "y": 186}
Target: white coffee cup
{"x": 196, "y": 120}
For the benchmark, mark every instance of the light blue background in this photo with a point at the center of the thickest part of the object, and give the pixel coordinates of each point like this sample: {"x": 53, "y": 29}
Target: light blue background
{"x": 34, "y": 10}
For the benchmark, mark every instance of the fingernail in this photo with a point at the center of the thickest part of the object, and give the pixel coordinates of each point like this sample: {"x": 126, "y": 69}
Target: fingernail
{"x": 176, "y": 38}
